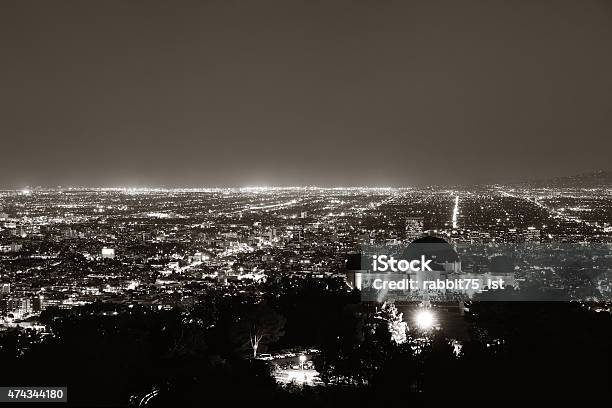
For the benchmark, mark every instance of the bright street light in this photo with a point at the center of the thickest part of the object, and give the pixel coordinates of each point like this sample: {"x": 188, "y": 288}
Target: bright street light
{"x": 302, "y": 360}
{"x": 424, "y": 319}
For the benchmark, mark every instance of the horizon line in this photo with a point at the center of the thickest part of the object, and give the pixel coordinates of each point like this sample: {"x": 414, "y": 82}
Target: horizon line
{"x": 294, "y": 187}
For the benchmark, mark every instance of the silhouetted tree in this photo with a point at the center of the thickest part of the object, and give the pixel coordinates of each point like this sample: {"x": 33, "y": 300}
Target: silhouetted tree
{"x": 258, "y": 324}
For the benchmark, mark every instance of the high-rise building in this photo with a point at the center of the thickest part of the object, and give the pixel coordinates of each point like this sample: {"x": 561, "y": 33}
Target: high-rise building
{"x": 23, "y": 307}
{"x": 272, "y": 234}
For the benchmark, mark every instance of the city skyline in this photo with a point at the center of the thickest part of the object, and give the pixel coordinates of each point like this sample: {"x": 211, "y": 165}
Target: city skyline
{"x": 599, "y": 178}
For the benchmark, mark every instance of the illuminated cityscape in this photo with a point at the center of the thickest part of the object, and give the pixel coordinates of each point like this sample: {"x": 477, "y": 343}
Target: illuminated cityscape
{"x": 108, "y": 252}
{"x": 163, "y": 248}
{"x": 305, "y": 204}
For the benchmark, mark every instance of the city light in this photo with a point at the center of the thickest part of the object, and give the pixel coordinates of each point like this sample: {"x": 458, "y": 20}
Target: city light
{"x": 302, "y": 361}
{"x": 424, "y": 319}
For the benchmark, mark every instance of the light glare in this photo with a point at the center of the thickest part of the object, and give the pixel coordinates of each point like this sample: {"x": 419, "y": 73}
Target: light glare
{"x": 424, "y": 319}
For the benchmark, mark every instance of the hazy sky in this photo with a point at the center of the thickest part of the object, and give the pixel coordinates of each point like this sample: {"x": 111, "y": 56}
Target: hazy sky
{"x": 213, "y": 93}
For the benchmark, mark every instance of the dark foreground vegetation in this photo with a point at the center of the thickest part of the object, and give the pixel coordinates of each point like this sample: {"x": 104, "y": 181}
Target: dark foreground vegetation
{"x": 116, "y": 355}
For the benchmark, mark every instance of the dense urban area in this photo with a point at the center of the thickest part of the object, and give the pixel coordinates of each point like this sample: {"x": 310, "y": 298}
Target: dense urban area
{"x": 146, "y": 297}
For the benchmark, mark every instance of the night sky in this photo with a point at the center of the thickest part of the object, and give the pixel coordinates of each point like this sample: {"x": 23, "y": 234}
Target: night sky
{"x": 330, "y": 93}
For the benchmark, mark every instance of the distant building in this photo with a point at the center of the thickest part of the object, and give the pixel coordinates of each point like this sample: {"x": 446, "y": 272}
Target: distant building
{"x": 272, "y": 234}
{"x": 37, "y": 304}
{"x": 200, "y": 257}
{"x": 532, "y": 235}
{"x": 70, "y": 233}
{"x": 108, "y": 253}
{"x": 13, "y": 247}
{"x": 512, "y": 235}
{"x": 23, "y": 307}
{"x": 5, "y": 288}
{"x": 414, "y": 228}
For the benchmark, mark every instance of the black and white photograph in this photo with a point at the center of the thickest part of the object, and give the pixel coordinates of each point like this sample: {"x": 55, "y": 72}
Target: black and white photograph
{"x": 305, "y": 203}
